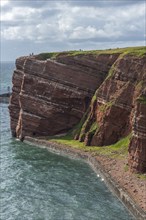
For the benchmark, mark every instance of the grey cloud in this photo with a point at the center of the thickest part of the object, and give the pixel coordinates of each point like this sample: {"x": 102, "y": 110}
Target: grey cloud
{"x": 29, "y": 3}
{"x": 63, "y": 25}
{"x": 81, "y": 3}
{"x": 104, "y": 3}
{"x": 32, "y": 4}
{"x": 50, "y": 13}
{"x": 125, "y": 35}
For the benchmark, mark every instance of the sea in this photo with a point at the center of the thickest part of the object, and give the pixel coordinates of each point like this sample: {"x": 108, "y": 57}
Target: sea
{"x": 38, "y": 185}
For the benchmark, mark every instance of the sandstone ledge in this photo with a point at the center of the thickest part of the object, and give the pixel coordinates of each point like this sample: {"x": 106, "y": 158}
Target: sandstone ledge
{"x": 101, "y": 168}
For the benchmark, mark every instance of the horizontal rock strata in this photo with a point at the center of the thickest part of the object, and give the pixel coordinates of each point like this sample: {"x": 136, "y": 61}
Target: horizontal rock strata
{"x": 137, "y": 147}
{"x": 113, "y": 108}
{"x": 50, "y": 97}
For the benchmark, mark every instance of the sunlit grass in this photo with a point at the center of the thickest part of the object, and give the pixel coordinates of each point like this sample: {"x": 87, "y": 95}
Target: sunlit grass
{"x": 137, "y": 51}
{"x": 119, "y": 149}
{"x": 141, "y": 176}
{"x": 142, "y": 99}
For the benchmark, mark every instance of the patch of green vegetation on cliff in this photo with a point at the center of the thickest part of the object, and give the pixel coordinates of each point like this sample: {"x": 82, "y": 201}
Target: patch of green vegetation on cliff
{"x": 85, "y": 123}
{"x": 93, "y": 99}
{"x": 137, "y": 51}
{"x": 139, "y": 85}
{"x": 141, "y": 176}
{"x": 104, "y": 107}
{"x": 81, "y": 127}
{"x": 82, "y": 130}
{"x": 93, "y": 128}
{"x": 119, "y": 149}
{"x": 110, "y": 73}
{"x": 82, "y": 124}
{"x": 45, "y": 56}
{"x": 142, "y": 99}
{"x": 77, "y": 129}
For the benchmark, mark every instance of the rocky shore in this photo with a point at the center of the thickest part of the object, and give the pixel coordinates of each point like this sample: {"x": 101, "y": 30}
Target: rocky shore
{"x": 126, "y": 186}
{"x": 97, "y": 96}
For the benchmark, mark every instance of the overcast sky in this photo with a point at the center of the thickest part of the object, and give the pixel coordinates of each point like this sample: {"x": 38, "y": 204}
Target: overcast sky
{"x": 43, "y": 25}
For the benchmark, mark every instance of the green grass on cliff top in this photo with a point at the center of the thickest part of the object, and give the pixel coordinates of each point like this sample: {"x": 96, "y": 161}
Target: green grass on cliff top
{"x": 136, "y": 51}
{"x": 142, "y": 99}
{"x": 119, "y": 149}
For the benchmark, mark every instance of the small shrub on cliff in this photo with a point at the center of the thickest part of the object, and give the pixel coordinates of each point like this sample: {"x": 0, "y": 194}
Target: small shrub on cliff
{"x": 104, "y": 107}
{"x": 93, "y": 128}
{"x": 142, "y": 99}
{"x": 94, "y": 98}
{"x": 111, "y": 72}
{"x": 45, "y": 56}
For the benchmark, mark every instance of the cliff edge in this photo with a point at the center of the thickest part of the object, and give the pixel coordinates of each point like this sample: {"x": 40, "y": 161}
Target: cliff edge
{"x": 104, "y": 92}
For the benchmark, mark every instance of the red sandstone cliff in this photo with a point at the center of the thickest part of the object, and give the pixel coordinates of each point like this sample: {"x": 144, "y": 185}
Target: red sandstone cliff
{"x": 51, "y": 96}
{"x": 137, "y": 147}
{"x": 115, "y": 112}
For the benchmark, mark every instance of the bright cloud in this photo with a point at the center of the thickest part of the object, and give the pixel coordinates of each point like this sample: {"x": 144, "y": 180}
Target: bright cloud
{"x": 18, "y": 13}
{"x": 4, "y": 3}
{"x": 71, "y": 24}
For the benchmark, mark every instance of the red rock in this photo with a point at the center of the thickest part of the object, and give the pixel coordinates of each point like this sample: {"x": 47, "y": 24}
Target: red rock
{"x": 114, "y": 108}
{"x": 137, "y": 147}
{"x": 50, "y": 97}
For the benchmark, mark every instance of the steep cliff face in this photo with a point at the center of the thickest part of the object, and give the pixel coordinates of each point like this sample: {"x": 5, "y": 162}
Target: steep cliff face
{"x": 14, "y": 106}
{"x": 51, "y": 96}
{"x": 114, "y": 111}
{"x": 137, "y": 147}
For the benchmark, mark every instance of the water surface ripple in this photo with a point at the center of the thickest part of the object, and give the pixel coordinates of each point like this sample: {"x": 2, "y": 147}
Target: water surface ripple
{"x": 38, "y": 185}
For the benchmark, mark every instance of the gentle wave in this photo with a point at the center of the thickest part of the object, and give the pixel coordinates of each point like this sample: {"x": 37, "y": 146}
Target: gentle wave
{"x": 36, "y": 185}
{"x": 6, "y": 72}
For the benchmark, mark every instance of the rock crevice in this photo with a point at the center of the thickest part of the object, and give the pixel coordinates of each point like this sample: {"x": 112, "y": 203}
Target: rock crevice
{"x": 51, "y": 96}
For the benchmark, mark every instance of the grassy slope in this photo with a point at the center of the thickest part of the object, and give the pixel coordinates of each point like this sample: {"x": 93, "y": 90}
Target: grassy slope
{"x": 119, "y": 149}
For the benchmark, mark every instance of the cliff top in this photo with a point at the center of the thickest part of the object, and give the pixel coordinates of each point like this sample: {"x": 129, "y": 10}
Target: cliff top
{"x": 137, "y": 51}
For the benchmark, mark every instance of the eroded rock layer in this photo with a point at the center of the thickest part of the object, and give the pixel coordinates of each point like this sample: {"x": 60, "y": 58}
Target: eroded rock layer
{"x": 137, "y": 147}
{"x": 50, "y": 97}
{"x": 114, "y": 112}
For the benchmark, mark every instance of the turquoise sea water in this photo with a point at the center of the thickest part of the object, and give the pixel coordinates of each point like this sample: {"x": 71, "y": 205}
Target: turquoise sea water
{"x": 6, "y": 71}
{"x": 38, "y": 185}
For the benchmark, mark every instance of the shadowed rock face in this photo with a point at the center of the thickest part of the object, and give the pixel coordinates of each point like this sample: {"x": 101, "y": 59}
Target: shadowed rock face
{"x": 137, "y": 147}
{"x": 50, "y": 97}
{"x": 115, "y": 113}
